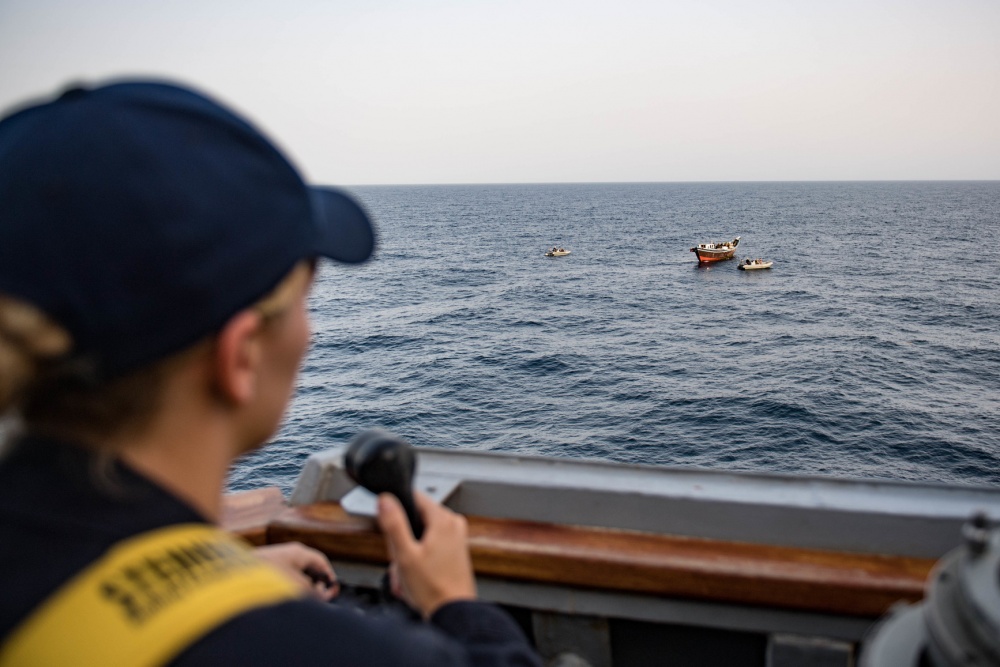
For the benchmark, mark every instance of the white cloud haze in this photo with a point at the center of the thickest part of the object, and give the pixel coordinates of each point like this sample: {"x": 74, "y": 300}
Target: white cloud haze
{"x": 499, "y": 92}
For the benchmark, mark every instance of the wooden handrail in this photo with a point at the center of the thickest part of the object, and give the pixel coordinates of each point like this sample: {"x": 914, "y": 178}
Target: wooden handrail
{"x": 633, "y": 562}
{"x": 248, "y": 513}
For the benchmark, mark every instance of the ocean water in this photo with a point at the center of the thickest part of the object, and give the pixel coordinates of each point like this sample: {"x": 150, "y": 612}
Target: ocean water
{"x": 870, "y": 350}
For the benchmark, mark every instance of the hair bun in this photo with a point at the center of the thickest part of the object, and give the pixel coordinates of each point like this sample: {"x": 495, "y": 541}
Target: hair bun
{"x": 28, "y": 338}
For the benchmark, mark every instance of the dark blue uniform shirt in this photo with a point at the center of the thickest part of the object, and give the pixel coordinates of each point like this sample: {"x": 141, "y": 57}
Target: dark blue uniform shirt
{"x": 60, "y": 510}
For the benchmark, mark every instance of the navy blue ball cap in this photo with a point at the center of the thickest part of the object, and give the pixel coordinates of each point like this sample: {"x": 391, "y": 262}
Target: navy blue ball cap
{"x": 354, "y": 239}
{"x": 142, "y": 215}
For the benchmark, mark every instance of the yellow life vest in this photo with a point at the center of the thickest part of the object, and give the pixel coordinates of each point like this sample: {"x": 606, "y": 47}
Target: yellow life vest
{"x": 146, "y": 600}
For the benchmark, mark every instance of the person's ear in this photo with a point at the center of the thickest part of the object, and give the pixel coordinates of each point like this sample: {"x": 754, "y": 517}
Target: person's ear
{"x": 237, "y": 357}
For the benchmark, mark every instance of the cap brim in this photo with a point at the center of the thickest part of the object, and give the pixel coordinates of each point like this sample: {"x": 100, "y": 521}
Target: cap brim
{"x": 345, "y": 231}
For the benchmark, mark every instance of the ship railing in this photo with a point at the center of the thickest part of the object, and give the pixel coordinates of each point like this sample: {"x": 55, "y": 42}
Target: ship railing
{"x": 609, "y": 557}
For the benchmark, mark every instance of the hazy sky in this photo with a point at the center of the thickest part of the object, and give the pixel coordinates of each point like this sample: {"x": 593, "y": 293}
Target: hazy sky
{"x": 449, "y": 91}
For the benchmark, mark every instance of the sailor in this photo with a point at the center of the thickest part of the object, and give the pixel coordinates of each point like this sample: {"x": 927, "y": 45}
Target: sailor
{"x": 156, "y": 253}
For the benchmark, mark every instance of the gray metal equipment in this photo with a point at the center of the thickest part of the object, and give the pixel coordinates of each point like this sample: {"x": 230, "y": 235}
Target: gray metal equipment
{"x": 958, "y": 623}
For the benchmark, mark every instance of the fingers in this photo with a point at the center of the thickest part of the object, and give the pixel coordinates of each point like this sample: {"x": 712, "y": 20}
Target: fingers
{"x": 396, "y": 583}
{"x": 307, "y": 566}
{"x": 395, "y": 526}
{"x": 296, "y": 555}
{"x": 399, "y": 540}
{"x": 440, "y": 518}
{"x": 425, "y": 504}
{"x": 325, "y": 591}
{"x": 435, "y": 570}
{"x": 312, "y": 562}
{"x": 302, "y": 580}
{"x": 322, "y": 580}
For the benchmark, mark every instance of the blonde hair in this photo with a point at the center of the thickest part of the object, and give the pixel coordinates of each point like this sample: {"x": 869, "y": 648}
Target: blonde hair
{"x": 280, "y": 299}
{"x": 53, "y": 396}
{"x": 28, "y": 341}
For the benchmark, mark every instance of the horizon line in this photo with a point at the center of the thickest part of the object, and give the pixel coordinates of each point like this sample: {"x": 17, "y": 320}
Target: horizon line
{"x": 692, "y": 182}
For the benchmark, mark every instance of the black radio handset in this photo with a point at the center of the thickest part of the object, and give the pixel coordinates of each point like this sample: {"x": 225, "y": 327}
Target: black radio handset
{"x": 384, "y": 463}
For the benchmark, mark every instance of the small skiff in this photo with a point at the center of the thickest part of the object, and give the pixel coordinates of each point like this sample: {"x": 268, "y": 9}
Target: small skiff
{"x": 557, "y": 253}
{"x": 754, "y": 265}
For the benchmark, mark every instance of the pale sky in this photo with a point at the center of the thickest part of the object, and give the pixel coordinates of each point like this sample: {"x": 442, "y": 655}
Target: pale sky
{"x": 449, "y": 91}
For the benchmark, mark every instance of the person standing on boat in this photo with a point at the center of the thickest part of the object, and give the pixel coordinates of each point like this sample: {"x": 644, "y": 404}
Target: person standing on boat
{"x": 156, "y": 252}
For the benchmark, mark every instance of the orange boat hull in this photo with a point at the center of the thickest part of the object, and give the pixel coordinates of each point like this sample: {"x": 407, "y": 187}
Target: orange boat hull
{"x": 716, "y": 254}
{"x": 714, "y": 258}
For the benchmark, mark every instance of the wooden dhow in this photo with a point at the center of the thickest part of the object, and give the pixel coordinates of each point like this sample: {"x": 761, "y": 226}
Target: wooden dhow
{"x": 716, "y": 252}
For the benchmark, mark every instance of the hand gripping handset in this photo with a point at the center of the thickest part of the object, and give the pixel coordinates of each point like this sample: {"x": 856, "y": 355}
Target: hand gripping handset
{"x": 384, "y": 463}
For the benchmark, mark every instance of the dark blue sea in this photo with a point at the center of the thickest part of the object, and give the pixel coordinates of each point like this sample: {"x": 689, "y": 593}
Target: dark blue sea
{"x": 871, "y": 349}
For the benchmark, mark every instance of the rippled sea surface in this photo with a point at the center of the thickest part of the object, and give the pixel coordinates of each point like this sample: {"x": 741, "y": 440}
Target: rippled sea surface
{"x": 870, "y": 349}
